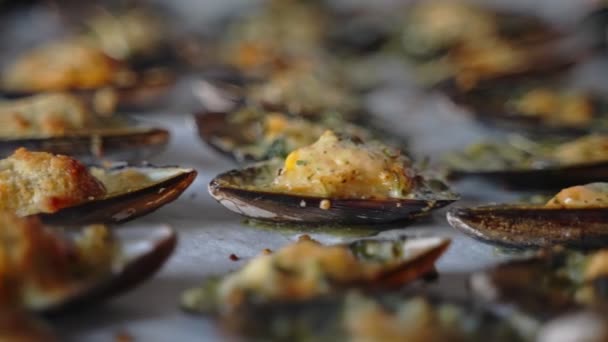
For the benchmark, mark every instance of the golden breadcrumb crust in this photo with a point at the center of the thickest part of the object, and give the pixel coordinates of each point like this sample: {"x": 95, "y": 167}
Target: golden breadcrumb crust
{"x": 34, "y": 182}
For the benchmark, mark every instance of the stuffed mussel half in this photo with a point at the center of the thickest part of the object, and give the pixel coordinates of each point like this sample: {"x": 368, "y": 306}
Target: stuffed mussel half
{"x": 576, "y": 217}
{"x": 522, "y": 163}
{"x": 465, "y": 43}
{"x": 49, "y": 270}
{"x": 307, "y": 269}
{"x": 65, "y": 192}
{"x": 534, "y": 106}
{"x": 345, "y": 295}
{"x": 79, "y": 66}
{"x": 62, "y": 123}
{"x": 547, "y": 285}
{"x": 253, "y": 134}
{"x": 337, "y": 180}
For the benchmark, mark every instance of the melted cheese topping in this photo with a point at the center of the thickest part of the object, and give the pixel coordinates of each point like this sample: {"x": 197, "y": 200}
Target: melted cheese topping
{"x": 338, "y": 167}
{"x": 557, "y": 107}
{"x": 37, "y": 266}
{"x": 589, "y": 149}
{"x": 581, "y": 196}
{"x": 39, "y": 182}
{"x": 299, "y": 271}
{"x": 44, "y": 115}
{"x": 61, "y": 66}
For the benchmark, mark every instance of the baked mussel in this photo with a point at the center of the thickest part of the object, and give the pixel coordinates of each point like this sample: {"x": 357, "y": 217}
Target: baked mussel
{"x": 49, "y": 270}
{"x": 336, "y": 180}
{"x": 75, "y": 65}
{"x": 62, "y": 123}
{"x": 466, "y": 43}
{"x": 576, "y": 217}
{"x": 279, "y": 277}
{"x": 268, "y": 298}
{"x": 546, "y": 285}
{"x": 523, "y": 163}
{"x": 533, "y": 105}
{"x": 63, "y": 191}
{"x": 250, "y": 133}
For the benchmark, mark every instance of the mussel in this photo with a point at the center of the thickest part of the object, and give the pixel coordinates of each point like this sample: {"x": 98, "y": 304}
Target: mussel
{"x": 533, "y": 105}
{"x": 252, "y": 134}
{"x": 334, "y": 180}
{"x": 143, "y": 251}
{"x": 575, "y": 217}
{"x": 546, "y": 285}
{"x": 356, "y": 310}
{"x": 523, "y": 163}
{"x": 132, "y": 191}
{"x": 53, "y": 270}
{"x": 61, "y": 123}
{"x": 381, "y": 265}
{"x": 76, "y": 65}
{"x": 465, "y": 43}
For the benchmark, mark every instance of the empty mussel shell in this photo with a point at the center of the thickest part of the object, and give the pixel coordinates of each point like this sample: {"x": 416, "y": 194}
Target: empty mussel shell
{"x": 128, "y": 144}
{"x": 520, "y": 226}
{"x": 143, "y": 250}
{"x": 126, "y": 199}
{"x": 239, "y": 191}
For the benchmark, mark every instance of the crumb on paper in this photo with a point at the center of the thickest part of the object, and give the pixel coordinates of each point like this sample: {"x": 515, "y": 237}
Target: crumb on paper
{"x": 234, "y": 257}
{"x": 266, "y": 251}
{"x": 325, "y": 204}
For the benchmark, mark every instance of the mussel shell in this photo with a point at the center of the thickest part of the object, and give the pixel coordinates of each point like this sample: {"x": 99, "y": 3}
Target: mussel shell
{"x": 122, "y": 207}
{"x": 127, "y": 145}
{"x": 533, "y": 226}
{"x": 550, "y": 177}
{"x": 144, "y": 250}
{"x": 227, "y": 189}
